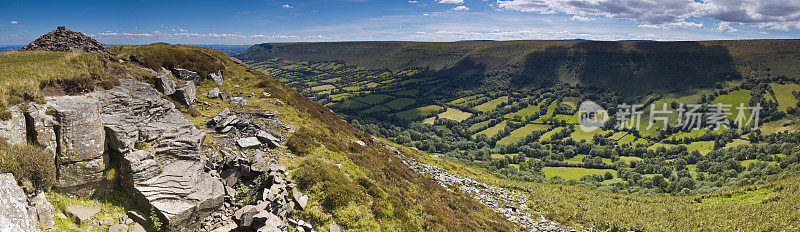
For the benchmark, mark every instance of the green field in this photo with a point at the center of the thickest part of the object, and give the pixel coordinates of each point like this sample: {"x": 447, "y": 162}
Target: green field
{"x": 735, "y": 98}
{"x": 377, "y": 108}
{"x": 618, "y": 135}
{"x": 573, "y": 173}
{"x": 546, "y": 136}
{"x": 520, "y": 133}
{"x": 491, "y": 105}
{"x": 421, "y": 112}
{"x": 690, "y": 134}
{"x": 704, "y": 147}
{"x": 373, "y": 99}
{"x": 628, "y": 159}
{"x": 579, "y": 135}
{"x": 491, "y": 131}
{"x": 351, "y": 104}
{"x": 429, "y": 121}
{"x": 783, "y": 93}
{"x": 524, "y": 112}
{"x": 550, "y": 110}
{"x": 475, "y": 126}
{"x": 408, "y": 93}
{"x": 322, "y": 88}
{"x": 455, "y": 114}
{"x": 400, "y": 103}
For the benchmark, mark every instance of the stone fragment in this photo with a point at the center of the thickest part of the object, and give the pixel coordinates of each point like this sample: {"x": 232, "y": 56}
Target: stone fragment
{"x": 13, "y": 206}
{"x": 249, "y": 142}
{"x": 213, "y": 93}
{"x": 334, "y": 227}
{"x": 44, "y": 211}
{"x": 239, "y": 101}
{"x": 244, "y": 216}
{"x": 187, "y": 75}
{"x": 216, "y": 77}
{"x": 81, "y": 213}
{"x": 187, "y": 94}
{"x": 12, "y": 126}
{"x": 165, "y": 84}
{"x": 300, "y": 199}
{"x": 268, "y": 138}
{"x": 43, "y": 132}
{"x": 136, "y": 216}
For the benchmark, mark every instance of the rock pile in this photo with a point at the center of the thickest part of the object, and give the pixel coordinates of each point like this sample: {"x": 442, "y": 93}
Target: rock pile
{"x": 65, "y": 40}
{"x": 510, "y": 204}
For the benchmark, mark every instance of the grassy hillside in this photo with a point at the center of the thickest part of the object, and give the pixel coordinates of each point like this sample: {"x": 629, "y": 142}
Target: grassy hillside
{"x": 632, "y": 67}
{"x": 365, "y": 188}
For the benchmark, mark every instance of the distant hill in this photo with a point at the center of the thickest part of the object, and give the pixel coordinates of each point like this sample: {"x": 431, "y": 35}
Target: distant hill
{"x": 632, "y": 67}
{"x": 10, "y": 48}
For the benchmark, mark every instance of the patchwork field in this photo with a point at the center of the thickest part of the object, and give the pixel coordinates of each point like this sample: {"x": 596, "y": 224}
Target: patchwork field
{"x": 520, "y": 133}
{"x": 573, "y": 173}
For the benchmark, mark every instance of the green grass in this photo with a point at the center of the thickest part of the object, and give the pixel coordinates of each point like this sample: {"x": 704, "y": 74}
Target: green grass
{"x": 737, "y": 142}
{"x": 751, "y": 197}
{"x": 475, "y": 126}
{"x": 491, "y": 131}
{"x": 618, "y": 135}
{"x": 420, "y": 112}
{"x": 520, "y": 133}
{"x": 546, "y": 136}
{"x": 377, "y": 108}
{"x": 400, "y": 103}
{"x": 351, "y": 104}
{"x": 463, "y": 100}
{"x": 23, "y": 73}
{"x": 628, "y": 159}
{"x": 779, "y": 126}
{"x": 735, "y": 98}
{"x": 691, "y": 134}
{"x": 573, "y": 173}
{"x": 783, "y": 93}
{"x": 408, "y": 93}
{"x": 524, "y": 112}
{"x": 373, "y": 99}
{"x": 322, "y": 88}
{"x": 704, "y": 147}
{"x": 491, "y": 105}
{"x": 429, "y": 121}
{"x": 579, "y": 134}
{"x": 455, "y": 114}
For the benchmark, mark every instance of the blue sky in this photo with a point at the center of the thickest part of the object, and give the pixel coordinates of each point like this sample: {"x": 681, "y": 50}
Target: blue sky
{"x": 249, "y": 22}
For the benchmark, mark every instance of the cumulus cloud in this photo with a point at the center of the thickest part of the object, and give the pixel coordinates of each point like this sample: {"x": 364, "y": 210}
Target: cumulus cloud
{"x": 412, "y": 1}
{"x": 287, "y": 6}
{"x": 726, "y": 27}
{"x": 771, "y": 14}
{"x": 14, "y": 22}
{"x": 581, "y": 18}
{"x": 451, "y": 1}
{"x": 461, "y": 8}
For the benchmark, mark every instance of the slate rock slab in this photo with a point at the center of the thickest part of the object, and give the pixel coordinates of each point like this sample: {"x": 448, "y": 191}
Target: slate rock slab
{"x": 81, "y": 213}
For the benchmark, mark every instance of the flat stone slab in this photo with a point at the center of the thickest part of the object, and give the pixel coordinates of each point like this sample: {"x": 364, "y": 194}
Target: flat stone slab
{"x": 81, "y": 213}
{"x": 248, "y": 142}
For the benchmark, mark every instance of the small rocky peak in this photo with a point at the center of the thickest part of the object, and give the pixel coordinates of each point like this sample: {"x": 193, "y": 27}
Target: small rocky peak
{"x": 65, "y": 40}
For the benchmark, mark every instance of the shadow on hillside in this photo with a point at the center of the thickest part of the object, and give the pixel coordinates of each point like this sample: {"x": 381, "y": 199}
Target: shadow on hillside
{"x": 632, "y": 68}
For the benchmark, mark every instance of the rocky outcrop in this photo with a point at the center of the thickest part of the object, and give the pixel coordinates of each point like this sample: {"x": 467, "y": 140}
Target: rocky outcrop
{"x": 187, "y": 75}
{"x": 510, "y": 204}
{"x": 12, "y": 127}
{"x": 14, "y": 213}
{"x": 187, "y": 93}
{"x": 159, "y": 152}
{"x": 165, "y": 84}
{"x": 80, "y": 145}
{"x": 65, "y": 40}
{"x": 41, "y": 127}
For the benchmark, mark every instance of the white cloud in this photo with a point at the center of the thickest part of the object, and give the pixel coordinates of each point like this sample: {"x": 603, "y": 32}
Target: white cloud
{"x": 14, "y": 22}
{"x": 582, "y": 18}
{"x": 451, "y": 1}
{"x": 461, "y": 8}
{"x": 287, "y": 6}
{"x": 412, "y": 1}
{"x": 726, "y": 27}
{"x": 770, "y": 14}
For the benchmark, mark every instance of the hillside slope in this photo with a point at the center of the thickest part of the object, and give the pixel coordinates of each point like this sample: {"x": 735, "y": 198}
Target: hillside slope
{"x": 350, "y": 179}
{"x": 632, "y": 67}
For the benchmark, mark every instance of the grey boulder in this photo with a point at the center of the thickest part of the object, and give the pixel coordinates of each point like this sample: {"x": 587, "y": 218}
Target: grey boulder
{"x": 13, "y": 206}
{"x": 249, "y": 142}
{"x": 82, "y": 214}
{"x": 13, "y": 129}
{"x": 165, "y": 84}
{"x": 216, "y": 77}
{"x": 187, "y": 94}
{"x": 187, "y": 75}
